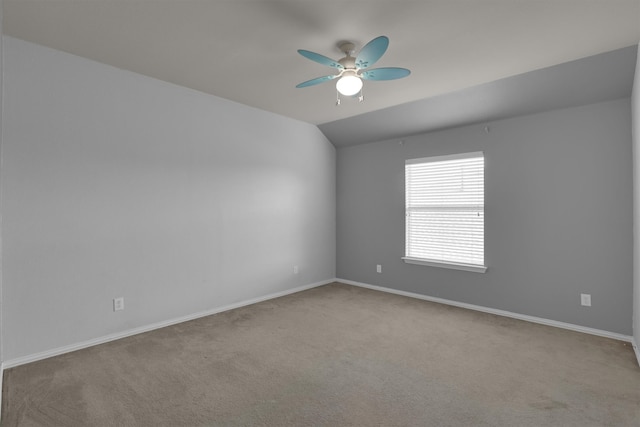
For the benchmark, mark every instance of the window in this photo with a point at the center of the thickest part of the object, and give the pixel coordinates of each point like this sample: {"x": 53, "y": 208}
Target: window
{"x": 444, "y": 199}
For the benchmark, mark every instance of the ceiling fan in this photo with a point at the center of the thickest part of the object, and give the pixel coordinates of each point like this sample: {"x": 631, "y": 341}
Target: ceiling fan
{"x": 353, "y": 70}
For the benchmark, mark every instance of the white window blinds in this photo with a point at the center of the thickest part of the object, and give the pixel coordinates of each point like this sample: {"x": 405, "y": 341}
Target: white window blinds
{"x": 445, "y": 210}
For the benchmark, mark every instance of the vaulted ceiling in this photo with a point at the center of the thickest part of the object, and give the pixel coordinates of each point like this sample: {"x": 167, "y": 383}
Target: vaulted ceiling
{"x": 245, "y": 50}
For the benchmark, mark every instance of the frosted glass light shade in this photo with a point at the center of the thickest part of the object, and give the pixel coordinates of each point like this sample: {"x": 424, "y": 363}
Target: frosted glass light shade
{"x": 349, "y": 85}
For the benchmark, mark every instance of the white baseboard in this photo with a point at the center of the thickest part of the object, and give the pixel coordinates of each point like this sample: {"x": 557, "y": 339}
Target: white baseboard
{"x": 118, "y": 335}
{"x": 518, "y": 316}
{"x": 112, "y": 337}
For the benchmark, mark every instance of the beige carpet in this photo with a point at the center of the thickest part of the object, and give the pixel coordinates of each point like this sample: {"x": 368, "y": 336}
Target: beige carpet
{"x": 335, "y": 356}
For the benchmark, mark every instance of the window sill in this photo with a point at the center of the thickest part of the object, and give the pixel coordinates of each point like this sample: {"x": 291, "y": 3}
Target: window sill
{"x": 454, "y": 266}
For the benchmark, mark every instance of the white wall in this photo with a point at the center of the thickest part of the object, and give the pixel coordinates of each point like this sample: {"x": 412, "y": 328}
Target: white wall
{"x": 116, "y": 184}
{"x": 635, "y": 118}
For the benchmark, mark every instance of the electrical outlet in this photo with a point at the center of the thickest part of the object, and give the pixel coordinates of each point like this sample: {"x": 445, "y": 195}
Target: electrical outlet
{"x": 585, "y": 299}
{"x": 295, "y": 269}
{"x": 379, "y": 268}
{"x": 118, "y": 304}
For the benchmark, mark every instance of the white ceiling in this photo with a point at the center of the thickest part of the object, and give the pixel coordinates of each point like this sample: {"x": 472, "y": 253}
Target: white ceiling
{"x": 245, "y": 50}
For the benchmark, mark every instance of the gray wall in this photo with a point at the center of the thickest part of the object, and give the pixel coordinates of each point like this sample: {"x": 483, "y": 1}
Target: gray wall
{"x": 635, "y": 108}
{"x": 115, "y": 185}
{"x": 558, "y": 210}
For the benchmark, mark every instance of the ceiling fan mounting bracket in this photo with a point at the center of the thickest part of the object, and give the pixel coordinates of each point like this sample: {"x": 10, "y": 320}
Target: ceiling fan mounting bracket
{"x": 347, "y": 47}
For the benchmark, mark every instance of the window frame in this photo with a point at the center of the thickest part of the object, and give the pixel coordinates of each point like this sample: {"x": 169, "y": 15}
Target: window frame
{"x": 479, "y": 268}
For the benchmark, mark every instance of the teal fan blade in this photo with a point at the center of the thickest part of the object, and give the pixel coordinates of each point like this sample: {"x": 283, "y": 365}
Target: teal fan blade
{"x": 317, "y": 81}
{"x": 386, "y": 73}
{"x": 372, "y": 51}
{"x": 320, "y": 59}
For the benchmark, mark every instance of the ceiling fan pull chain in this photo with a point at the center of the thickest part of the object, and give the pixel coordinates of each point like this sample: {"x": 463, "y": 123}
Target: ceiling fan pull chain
{"x": 337, "y": 98}
{"x": 361, "y": 96}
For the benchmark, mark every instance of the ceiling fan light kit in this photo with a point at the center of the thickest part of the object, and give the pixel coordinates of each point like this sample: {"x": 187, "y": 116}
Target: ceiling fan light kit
{"x": 353, "y": 70}
{"x": 349, "y": 84}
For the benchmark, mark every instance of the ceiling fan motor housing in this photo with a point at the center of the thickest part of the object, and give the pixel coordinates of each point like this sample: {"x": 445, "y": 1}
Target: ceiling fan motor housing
{"x": 348, "y": 62}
